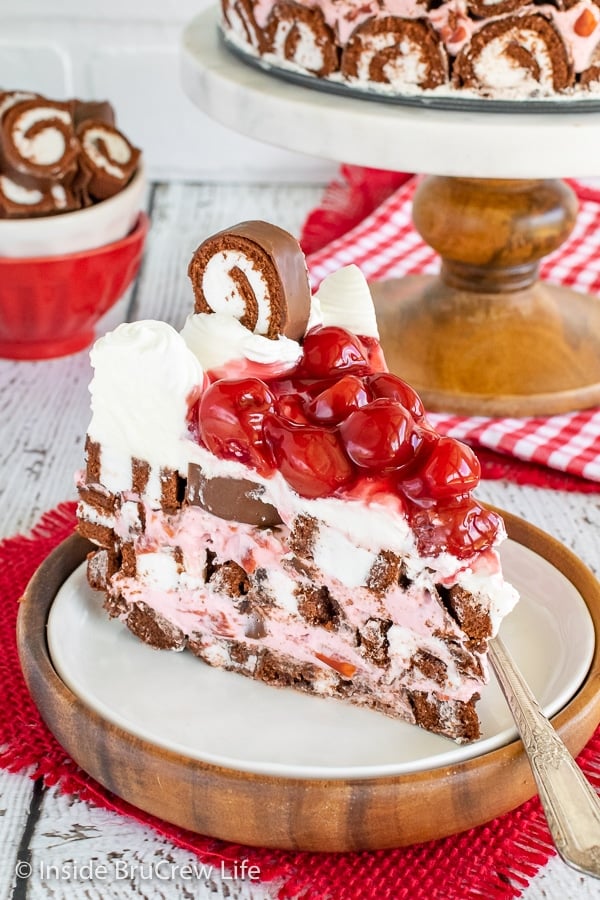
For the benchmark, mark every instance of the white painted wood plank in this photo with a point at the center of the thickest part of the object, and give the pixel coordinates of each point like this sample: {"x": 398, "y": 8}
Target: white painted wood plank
{"x": 80, "y": 851}
{"x": 559, "y": 882}
{"x": 15, "y": 796}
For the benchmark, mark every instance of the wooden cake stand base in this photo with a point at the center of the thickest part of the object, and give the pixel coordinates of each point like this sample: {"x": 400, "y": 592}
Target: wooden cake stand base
{"x": 486, "y": 336}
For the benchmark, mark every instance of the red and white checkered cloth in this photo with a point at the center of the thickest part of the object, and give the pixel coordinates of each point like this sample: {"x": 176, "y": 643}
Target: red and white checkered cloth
{"x": 384, "y": 244}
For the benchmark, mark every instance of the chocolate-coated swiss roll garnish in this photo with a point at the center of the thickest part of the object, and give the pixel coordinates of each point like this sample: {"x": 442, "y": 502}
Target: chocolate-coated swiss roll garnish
{"x": 38, "y": 145}
{"x": 530, "y": 58}
{"x": 18, "y": 202}
{"x": 300, "y": 35}
{"x": 255, "y": 272}
{"x": 107, "y": 158}
{"x": 238, "y": 16}
{"x": 404, "y": 53}
{"x": 8, "y": 99}
{"x": 234, "y": 499}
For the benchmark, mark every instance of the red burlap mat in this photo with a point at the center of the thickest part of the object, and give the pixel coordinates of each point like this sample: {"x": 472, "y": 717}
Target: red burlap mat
{"x": 365, "y": 218}
{"x": 492, "y": 861}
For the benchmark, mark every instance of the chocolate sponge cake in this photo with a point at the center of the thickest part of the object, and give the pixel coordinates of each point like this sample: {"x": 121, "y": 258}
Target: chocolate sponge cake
{"x": 264, "y": 494}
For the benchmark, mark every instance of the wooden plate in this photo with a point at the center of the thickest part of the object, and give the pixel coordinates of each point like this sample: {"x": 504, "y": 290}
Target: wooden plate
{"x": 335, "y": 814}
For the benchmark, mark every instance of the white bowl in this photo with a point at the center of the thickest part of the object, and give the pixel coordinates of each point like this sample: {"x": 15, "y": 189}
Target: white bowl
{"x": 84, "y": 229}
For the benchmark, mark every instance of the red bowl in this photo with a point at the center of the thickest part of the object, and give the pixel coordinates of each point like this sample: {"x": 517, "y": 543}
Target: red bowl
{"x": 49, "y": 305}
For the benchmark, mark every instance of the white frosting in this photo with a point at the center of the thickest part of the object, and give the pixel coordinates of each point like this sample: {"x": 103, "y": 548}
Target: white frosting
{"x": 17, "y": 194}
{"x": 129, "y": 518}
{"x": 217, "y": 338}
{"x": 48, "y": 145}
{"x": 11, "y": 99}
{"x": 341, "y": 559}
{"x": 119, "y": 151}
{"x": 59, "y": 195}
{"x": 494, "y": 69}
{"x": 344, "y": 299}
{"x": 144, "y": 376}
{"x": 404, "y": 643}
{"x": 241, "y": 23}
{"x": 223, "y": 294}
{"x": 157, "y": 569}
{"x": 408, "y": 67}
{"x": 283, "y": 589}
{"x": 31, "y": 196}
{"x": 307, "y": 53}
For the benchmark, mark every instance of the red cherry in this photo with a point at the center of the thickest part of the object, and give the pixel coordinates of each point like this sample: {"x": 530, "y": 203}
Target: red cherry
{"x": 230, "y": 420}
{"x": 381, "y": 435}
{"x": 374, "y": 352}
{"x": 311, "y": 459}
{"x": 449, "y": 469}
{"x": 338, "y": 400}
{"x": 461, "y": 527}
{"x": 292, "y": 408}
{"x": 384, "y": 384}
{"x": 192, "y": 422}
{"x": 330, "y": 350}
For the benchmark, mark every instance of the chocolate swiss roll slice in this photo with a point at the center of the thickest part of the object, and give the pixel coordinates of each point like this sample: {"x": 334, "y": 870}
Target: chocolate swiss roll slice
{"x": 8, "y": 99}
{"x": 404, "y": 53}
{"x": 521, "y": 56}
{"x": 299, "y": 35}
{"x": 486, "y": 9}
{"x": 590, "y": 79}
{"x": 238, "y": 19}
{"x": 18, "y": 202}
{"x": 107, "y": 160}
{"x": 255, "y": 272}
{"x": 38, "y": 145}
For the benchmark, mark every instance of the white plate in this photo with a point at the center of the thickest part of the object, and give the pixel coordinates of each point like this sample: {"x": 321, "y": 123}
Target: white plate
{"x": 176, "y": 701}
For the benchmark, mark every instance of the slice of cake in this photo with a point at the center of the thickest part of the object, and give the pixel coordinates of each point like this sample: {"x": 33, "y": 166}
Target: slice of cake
{"x": 263, "y": 492}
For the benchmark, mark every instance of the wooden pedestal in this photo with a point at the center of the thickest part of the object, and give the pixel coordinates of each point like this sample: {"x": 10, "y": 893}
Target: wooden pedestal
{"x": 486, "y": 337}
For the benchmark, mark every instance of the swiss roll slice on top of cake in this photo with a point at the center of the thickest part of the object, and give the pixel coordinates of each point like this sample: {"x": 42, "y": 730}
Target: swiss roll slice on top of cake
{"x": 262, "y": 491}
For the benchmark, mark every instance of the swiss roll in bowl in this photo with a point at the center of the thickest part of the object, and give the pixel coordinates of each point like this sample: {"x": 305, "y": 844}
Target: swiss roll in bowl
{"x": 71, "y": 227}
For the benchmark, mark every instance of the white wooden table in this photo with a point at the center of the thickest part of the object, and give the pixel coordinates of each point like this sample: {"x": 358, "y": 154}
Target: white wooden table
{"x": 45, "y": 412}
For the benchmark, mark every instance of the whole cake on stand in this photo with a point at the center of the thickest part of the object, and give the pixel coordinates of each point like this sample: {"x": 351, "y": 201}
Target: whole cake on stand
{"x": 485, "y": 336}
{"x": 503, "y": 49}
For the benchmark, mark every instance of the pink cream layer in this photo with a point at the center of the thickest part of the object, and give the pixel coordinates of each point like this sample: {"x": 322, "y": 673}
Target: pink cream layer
{"x": 180, "y": 595}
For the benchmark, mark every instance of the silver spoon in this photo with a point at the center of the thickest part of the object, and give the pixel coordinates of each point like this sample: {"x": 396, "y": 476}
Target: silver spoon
{"x": 571, "y": 805}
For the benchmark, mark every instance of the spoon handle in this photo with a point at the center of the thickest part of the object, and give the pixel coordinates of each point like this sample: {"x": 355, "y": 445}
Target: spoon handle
{"x": 571, "y": 805}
